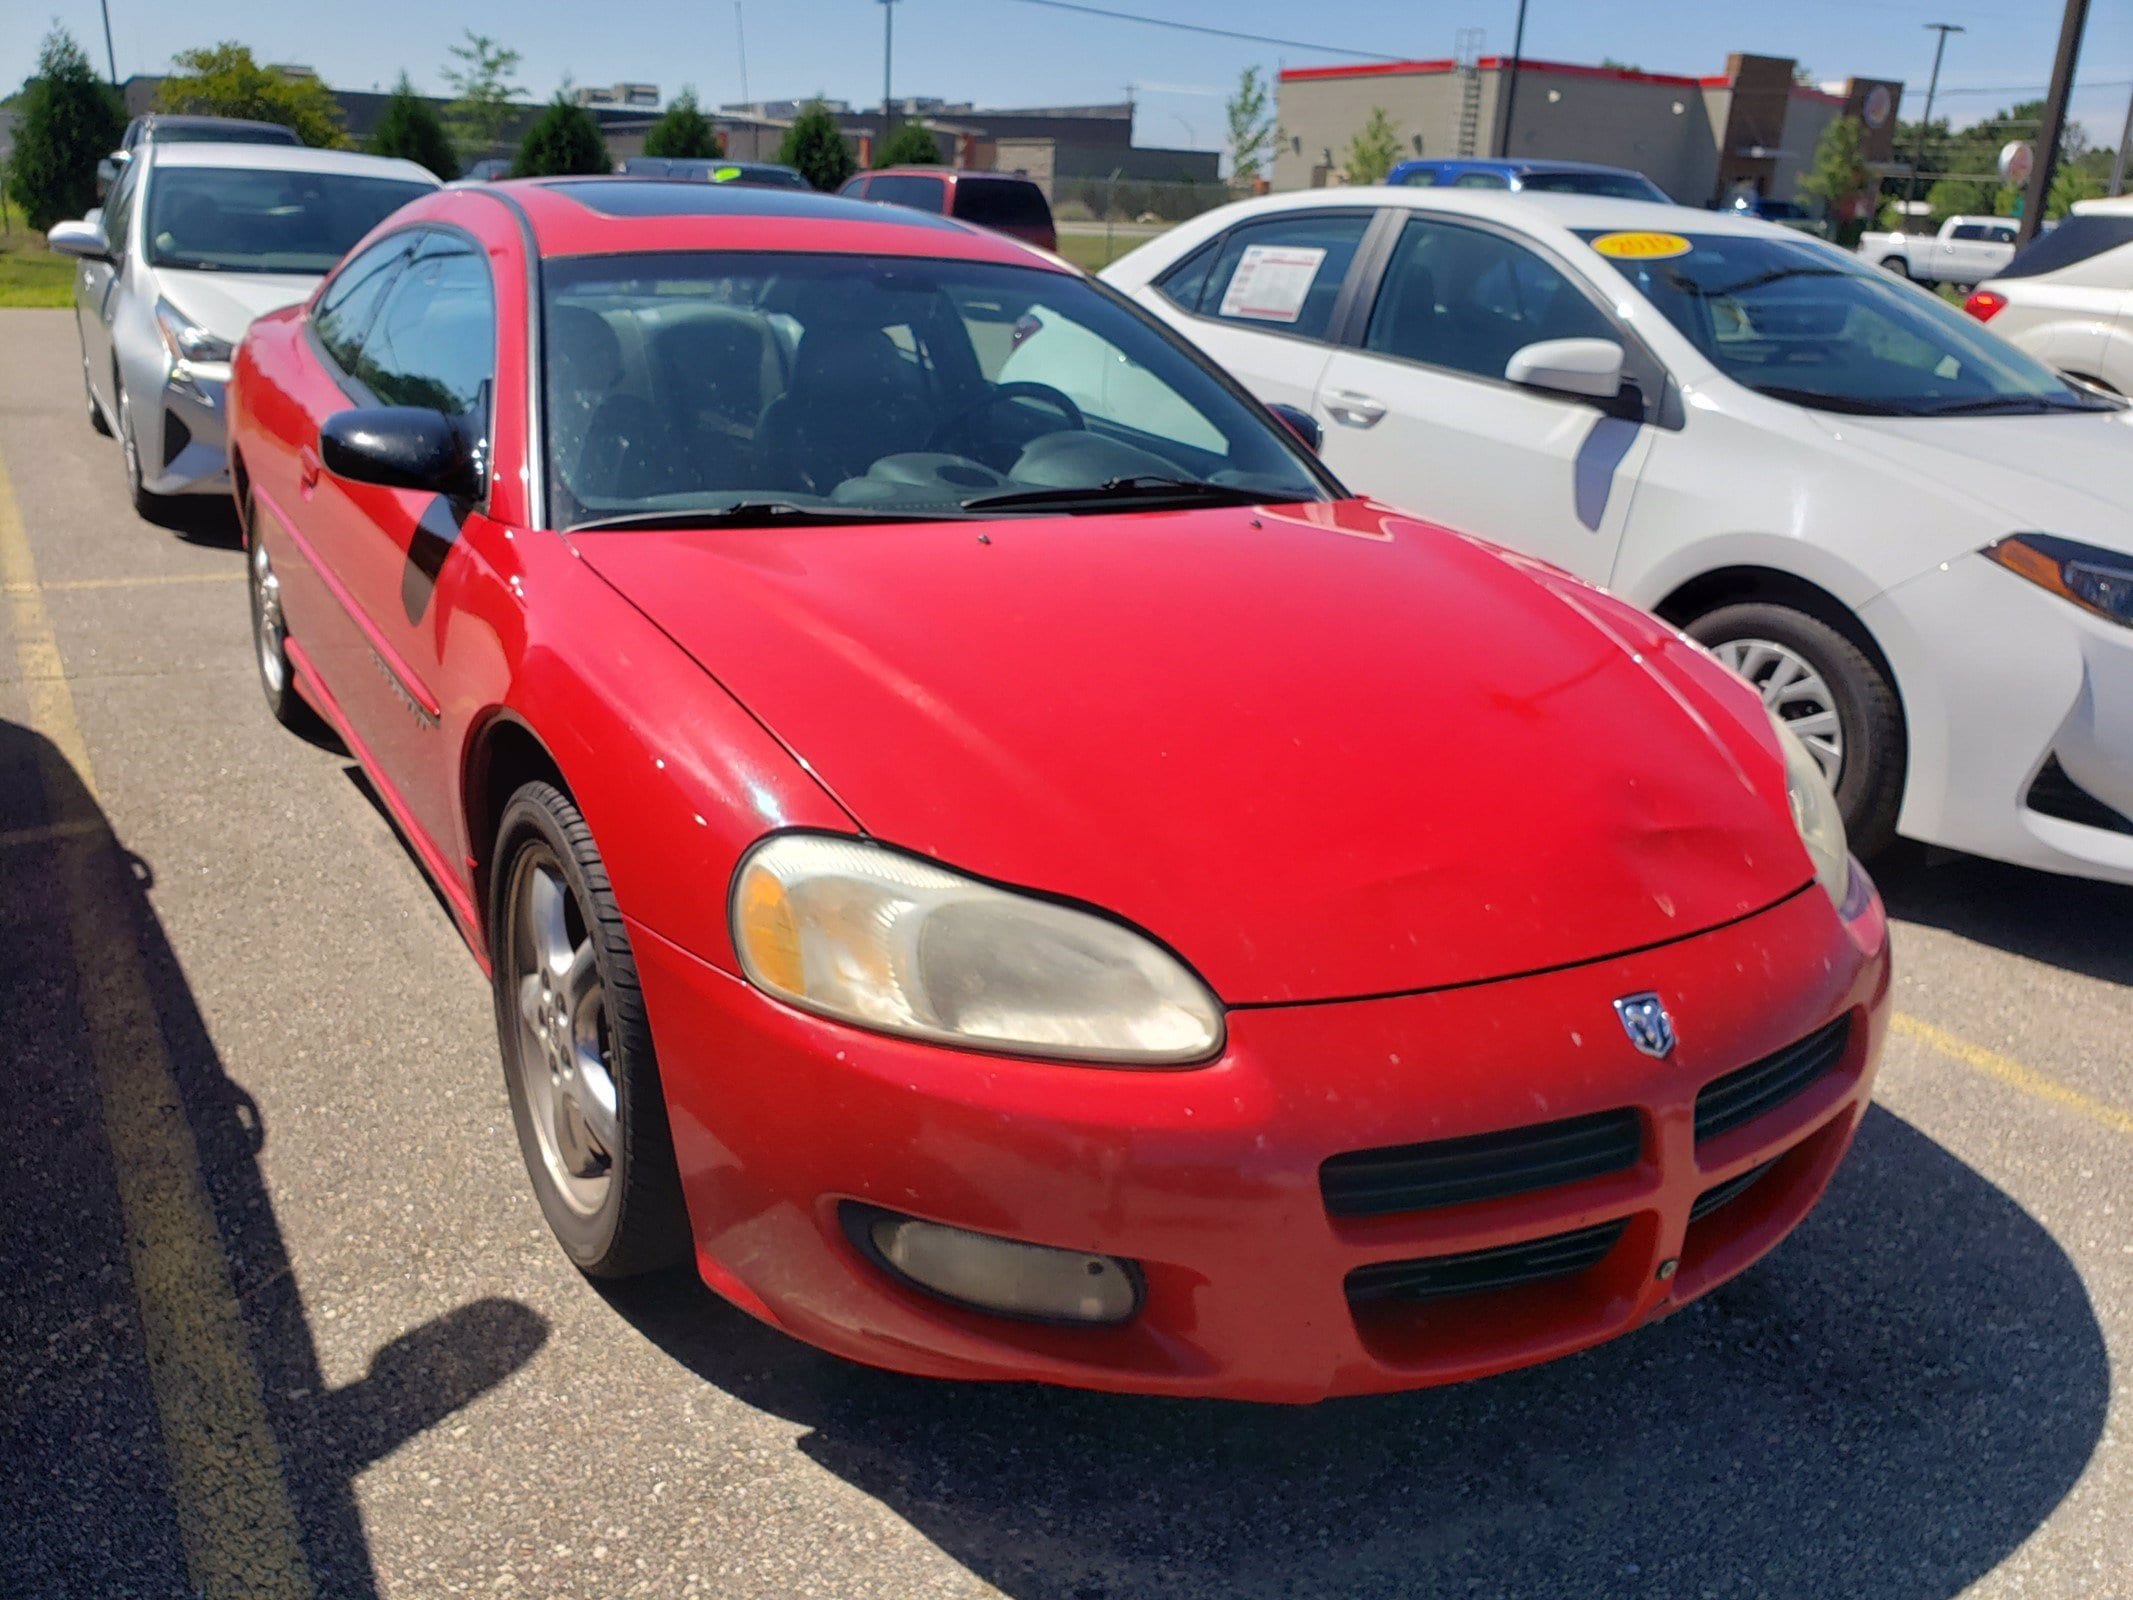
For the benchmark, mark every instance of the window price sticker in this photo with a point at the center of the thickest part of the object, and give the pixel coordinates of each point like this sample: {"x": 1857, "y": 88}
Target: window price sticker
{"x": 1272, "y": 282}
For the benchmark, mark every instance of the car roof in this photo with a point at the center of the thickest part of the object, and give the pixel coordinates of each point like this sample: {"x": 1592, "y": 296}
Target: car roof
{"x": 153, "y": 120}
{"x": 1514, "y": 208}
{"x": 624, "y": 215}
{"x": 2107, "y": 206}
{"x": 1516, "y": 164}
{"x": 290, "y": 158}
{"x": 958, "y": 174}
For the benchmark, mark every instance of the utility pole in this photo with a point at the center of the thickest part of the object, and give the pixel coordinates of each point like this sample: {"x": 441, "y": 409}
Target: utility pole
{"x": 740, "y": 37}
{"x": 2040, "y": 172}
{"x": 2118, "y": 162}
{"x": 1910, "y": 183}
{"x": 1510, "y": 88}
{"x": 110, "y": 55}
{"x": 888, "y": 47}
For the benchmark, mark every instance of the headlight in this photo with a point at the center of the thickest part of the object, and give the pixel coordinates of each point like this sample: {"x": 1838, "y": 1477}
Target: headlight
{"x": 860, "y": 933}
{"x": 1815, "y": 814}
{"x": 185, "y": 339}
{"x": 2099, "y": 581}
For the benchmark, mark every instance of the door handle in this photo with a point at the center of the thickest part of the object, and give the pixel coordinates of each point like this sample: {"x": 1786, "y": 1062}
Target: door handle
{"x": 308, "y": 467}
{"x": 1356, "y": 410}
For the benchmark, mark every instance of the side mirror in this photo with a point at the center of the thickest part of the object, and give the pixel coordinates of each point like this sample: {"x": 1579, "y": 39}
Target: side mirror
{"x": 1588, "y": 368}
{"x": 401, "y": 447}
{"x": 1301, "y": 423}
{"x": 107, "y": 171}
{"x": 84, "y": 241}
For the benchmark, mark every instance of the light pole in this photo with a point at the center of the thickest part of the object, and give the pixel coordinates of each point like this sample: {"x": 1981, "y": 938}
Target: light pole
{"x": 1510, "y": 92}
{"x": 888, "y": 51}
{"x": 1910, "y": 182}
{"x": 2047, "y": 158}
{"x": 110, "y": 55}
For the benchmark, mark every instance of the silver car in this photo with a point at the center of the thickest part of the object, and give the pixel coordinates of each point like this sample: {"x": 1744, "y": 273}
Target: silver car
{"x": 193, "y": 242}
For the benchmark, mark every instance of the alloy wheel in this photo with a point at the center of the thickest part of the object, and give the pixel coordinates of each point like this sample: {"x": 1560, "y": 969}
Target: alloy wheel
{"x": 269, "y": 633}
{"x": 565, "y": 1052}
{"x": 1793, "y": 690}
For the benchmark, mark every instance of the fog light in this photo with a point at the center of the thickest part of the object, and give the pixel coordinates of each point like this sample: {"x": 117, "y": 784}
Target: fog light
{"x": 1004, "y": 1276}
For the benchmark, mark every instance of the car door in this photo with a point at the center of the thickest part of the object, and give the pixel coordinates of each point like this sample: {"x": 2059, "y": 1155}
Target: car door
{"x": 1963, "y": 256}
{"x": 432, "y": 345}
{"x": 1264, "y": 298}
{"x": 1420, "y": 414}
{"x": 98, "y": 284}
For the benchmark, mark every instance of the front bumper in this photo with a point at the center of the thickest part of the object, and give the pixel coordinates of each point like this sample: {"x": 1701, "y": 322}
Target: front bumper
{"x": 1209, "y": 1177}
{"x": 2005, "y": 685}
{"x": 184, "y": 444}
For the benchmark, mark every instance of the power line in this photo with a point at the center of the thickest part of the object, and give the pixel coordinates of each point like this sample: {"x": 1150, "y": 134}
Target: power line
{"x": 1216, "y": 33}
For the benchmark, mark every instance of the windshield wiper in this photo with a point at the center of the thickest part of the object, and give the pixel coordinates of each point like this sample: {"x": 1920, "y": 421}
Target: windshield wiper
{"x": 1113, "y": 491}
{"x": 760, "y": 514}
{"x": 2013, "y": 405}
{"x": 1822, "y": 400}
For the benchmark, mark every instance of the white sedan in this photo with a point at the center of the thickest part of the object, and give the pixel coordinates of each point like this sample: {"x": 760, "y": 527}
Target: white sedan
{"x": 1915, "y": 539}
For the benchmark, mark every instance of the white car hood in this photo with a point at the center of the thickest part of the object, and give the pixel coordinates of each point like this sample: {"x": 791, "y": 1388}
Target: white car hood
{"x": 2065, "y": 474}
{"x": 225, "y": 303}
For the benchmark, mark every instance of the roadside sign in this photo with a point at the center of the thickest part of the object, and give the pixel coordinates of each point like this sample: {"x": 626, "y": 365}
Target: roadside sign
{"x": 2017, "y": 159}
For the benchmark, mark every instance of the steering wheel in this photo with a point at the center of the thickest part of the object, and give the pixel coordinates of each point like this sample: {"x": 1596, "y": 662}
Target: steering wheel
{"x": 999, "y": 395}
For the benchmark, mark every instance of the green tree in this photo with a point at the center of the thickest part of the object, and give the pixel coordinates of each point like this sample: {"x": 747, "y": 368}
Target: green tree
{"x": 1250, "y": 113}
{"x": 563, "y": 141}
{"x": 910, "y": 145}
{"x": 1374, "y": 148}
{"x": 68, "y": 120}
{"x": 484, "y": 105}
{"x": 409, "y": 127}
{"x": 222, "y": 80}
{"x": 683, "y": 131}
{"x": 2071, "y": 182}
{"x": 1838, "y": 176}
{"x": 815, "y": 148}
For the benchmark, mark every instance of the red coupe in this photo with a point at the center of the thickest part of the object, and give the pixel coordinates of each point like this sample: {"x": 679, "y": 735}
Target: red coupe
{"x": 1019, "y": 885}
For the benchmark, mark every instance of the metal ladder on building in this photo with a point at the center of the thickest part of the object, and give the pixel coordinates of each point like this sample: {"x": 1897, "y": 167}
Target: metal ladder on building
{"x": 1466, "y": 55}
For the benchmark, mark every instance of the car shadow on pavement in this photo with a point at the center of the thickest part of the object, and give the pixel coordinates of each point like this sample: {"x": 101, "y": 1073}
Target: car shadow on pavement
{"x": 1888, "y": 1405}
{"x": 206, "y": 519}
{"x": 2073, "y": 923}
{"x": 85, "y": 1462}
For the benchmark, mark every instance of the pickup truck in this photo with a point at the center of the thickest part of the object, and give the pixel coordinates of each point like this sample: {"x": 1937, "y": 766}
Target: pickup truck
{"x": 1966, "y": 251}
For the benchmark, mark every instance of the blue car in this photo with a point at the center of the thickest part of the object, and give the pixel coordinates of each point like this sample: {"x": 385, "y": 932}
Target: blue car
{"x": 1547, "y": 177}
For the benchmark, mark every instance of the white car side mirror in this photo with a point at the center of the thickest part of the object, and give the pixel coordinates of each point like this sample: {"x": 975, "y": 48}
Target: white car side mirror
{"x": 1591, "y": 368}
{"x": 83, "y": 240}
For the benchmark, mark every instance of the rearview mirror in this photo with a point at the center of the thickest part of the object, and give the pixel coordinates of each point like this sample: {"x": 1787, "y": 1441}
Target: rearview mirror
{"x": 84, "y": 241}
{"x": 1588, "y": 368}
{"x": 1301, "y": 423}
{"x": 401, "y": 447}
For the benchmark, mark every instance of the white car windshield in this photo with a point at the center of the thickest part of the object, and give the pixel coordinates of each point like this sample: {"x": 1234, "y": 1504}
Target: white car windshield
{"x": 1811, "y": 325}
{"x": 241, "y": 219}
{"x": 706, "y": 386}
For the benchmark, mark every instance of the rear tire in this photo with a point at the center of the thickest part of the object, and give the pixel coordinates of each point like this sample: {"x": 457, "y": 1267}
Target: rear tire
{"x": 1841, "y": 679}
{"x": 1897, "y": 265}
{"x": 578, "y": 1063}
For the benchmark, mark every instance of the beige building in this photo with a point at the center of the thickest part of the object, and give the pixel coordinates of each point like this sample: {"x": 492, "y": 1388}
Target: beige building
{"x": 1700, "y": 139}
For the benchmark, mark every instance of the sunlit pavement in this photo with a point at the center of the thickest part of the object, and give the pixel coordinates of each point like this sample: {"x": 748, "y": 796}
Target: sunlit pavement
{"x": 278, "y": 1315}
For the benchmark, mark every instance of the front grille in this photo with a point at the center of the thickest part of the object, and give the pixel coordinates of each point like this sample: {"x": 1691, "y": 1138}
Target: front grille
{"x": 1740, "y": 1097}
{"x": 1476, "y": 1271}
{"x": 1482, "y": 1166}
{"x": 1732, "y": 1189}
{"x": 176, "y": 436}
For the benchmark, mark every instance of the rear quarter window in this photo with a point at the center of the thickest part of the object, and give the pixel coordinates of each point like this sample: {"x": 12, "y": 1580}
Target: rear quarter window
{"x": 991, "y": 203}
{"x": 921, "y": 194}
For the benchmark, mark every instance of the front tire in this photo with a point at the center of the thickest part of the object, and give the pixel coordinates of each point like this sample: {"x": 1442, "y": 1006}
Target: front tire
{"x": 1833, "y": 696}
{"x": 151, "y": 506}
{"x": 270, "y": 636}
{"x": 97, "y": 419}
{"x": 578, "y": 1063}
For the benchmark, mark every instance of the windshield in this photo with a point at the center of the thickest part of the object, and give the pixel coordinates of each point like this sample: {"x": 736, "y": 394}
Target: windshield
{"x": 1613, "y": 185}
{"x": 704, "y": 382}
{"x": 1807, "y": 323}
{"x": 240, "y": 219}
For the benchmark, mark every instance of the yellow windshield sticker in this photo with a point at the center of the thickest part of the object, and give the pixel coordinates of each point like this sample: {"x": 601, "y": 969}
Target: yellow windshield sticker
{"x": 1642, "y": 246}
{"x": 725, "y": 174}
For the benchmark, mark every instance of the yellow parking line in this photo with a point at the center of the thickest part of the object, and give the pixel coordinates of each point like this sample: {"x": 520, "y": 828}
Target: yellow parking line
{"x": 2013, "y": 1073}
{"x": 233, "y": 1512}
{"x": 142, "y": 580}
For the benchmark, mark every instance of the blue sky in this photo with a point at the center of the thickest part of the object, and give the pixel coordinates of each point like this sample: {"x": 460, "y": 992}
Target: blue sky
{"x": 1005, "y": 52}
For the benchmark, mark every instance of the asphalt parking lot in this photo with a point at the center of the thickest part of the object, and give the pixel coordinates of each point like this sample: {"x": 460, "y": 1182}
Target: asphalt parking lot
{"x": 279, "y": 1316}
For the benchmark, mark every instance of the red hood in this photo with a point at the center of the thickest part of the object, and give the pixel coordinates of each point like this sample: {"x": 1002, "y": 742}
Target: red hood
{"x": 1322, "y": 752}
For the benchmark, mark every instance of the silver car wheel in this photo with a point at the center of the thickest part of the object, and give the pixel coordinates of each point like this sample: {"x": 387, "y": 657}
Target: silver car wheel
{"x": 1794, "y": 691}
{"x": 565, "y": 1057}
{"x": 269, "y": 633}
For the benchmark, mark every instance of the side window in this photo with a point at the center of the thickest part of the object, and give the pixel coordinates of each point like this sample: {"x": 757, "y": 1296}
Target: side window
{"x": 1285, "y": 275}
{"x": 351, "y": 299}
{"x": 855, "y": 188}
{"x": 1468, "y": 300}
{"x": 924, "y": 194}
{"x": 434, "y": 342}
{"x": 1481, "y": 180}
{"x": 118, "y": 209}
{"x": 2002, "y": 234}
{"x": 1971, "y": 230}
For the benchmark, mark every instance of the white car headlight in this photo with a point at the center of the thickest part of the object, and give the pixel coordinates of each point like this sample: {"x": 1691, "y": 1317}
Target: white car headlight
{"x": 2098, "y": 581}
{"x": 1815, "y": 814}
{"x": 186, "y": 340}
{"x": 869, "y": 936}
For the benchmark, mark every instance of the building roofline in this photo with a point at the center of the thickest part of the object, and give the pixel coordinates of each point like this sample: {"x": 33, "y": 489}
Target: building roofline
{"x": 1560, "y": 69}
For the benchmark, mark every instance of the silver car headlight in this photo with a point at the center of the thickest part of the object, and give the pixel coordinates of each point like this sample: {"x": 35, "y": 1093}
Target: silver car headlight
{"x": 1815, "y": 814}
{"x": 869, "y": 936}
{"x": 186, "y": 340}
